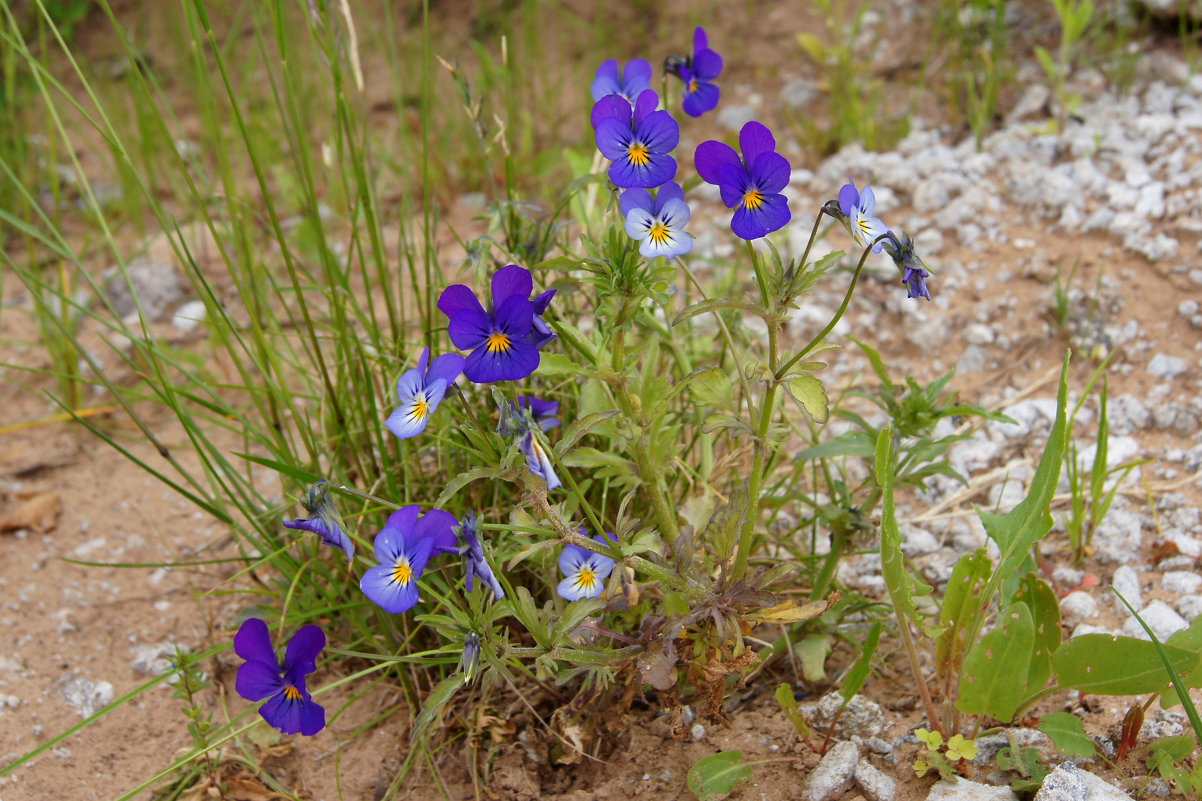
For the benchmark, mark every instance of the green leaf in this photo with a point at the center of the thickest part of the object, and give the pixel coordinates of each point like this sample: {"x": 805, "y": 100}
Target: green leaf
{"x": 902, "y": 586}
{"x": 810, "y": 395}
{"x": 721, "y": 532}
{"x": 1035, "y": 593}
{"x": 994, "y": 679}
{"x": 1031, "y": 520}
{"x": 812, "y": 651}
{"x": 462, "y": 480}
{"x": 853, "y": 443}
{"x": 1104, "y": 664}
{"x": 435, "y": 703}
{"x": 788, "y": 705}
{"x": 714, "y": 777}
{"x": 298, "y": 474}
{"x": 1068, "y": 733}
{"x": 963, "y": 603}
{"x": 558, "y": 364}
{"x": 853, "y": 682}
{"x": 579, "y": 428}
{"x": 716, "y": 305}
{"x": 573, "y": 615}
{"x": 713, "y": 388}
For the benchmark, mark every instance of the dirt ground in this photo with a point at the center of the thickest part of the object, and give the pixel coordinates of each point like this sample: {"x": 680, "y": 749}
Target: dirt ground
{"x": 74, "y": 637}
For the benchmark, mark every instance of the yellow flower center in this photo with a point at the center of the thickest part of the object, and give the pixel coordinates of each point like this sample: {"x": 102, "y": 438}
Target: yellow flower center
{"x": 752, "y": 199}
{"x": 498, "y": 342}
{"x": 658, "y": 232}
{"x": 693, "y": 85}
{"x": 402, "y": 573}
{"x": 586, "y": 578}
{"x": 420, "y": 408}
{"x": 291, "y": 693}
{"x": 638, "y": 154}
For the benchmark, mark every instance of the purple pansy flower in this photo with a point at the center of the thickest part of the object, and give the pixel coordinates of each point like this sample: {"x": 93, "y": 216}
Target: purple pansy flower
{"x": 638, "y": 141}
{"x": 537, "y": 460}
{"x": 859, "y": 208}
{"x": 750, "y": 185}
{"x": 324, "y": 519}
{"x": 289, "y": 706}
{"x": 421, "y": 390}
{"x": 404, "y": 547}
{"x": 658, "y": 224}
{"x": 540, "y": 332}
{"x": 914, "y": 273}
{"x": 502, "y": 339}
{"x": 543, "y": 411}
{"x": 697, "y": 72}
{"x": 474, "y": 562}
{"x": 628, "y": 82}
{"x": 585, "y": 571}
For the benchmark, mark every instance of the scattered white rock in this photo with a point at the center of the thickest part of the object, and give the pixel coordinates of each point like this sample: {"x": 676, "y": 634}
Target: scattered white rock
{"x": 154, "y": 660}
{"x": 158, "y": 287}
{"x": 1160, "y": 617}
{"x": 1126, "y": 584}
{"x": 834, "y": 773}
{"x": 861, "y": 717}
{"x": 85, "y": 696}
{"x": 1069, "y": 783}
{"x": 1182, "y": 582}
{"x": 964, "y": 790}
{"x": 1190, "y": 606}
{"x": 1165, "y": 366}
{"x": 188, "y": 316}
{"x": 877, "y": 785}
{"x": 1077, "y": 607}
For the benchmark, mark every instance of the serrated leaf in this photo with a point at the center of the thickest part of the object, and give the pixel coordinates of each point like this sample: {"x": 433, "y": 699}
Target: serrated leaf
{"x": 810, "y": 395}
{"x": 579, "y": 428}
{"x": 462, "y": 480}
{"x": 994, "y": 679}
{"x": 1068, "y": 733}
{"x": 716, "y": 305}
{"x": 1104, "y": 664}
{"x": 714, "y": 777}
{"x": 713, "y": 388}
{"x": 724, "y": 525}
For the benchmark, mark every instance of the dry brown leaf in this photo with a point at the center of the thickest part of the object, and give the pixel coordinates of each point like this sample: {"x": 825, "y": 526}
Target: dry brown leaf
{"x": 39, "y": 513}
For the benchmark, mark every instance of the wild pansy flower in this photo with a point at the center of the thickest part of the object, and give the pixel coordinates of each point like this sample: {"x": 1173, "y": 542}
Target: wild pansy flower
{"x": 537, "y": 460}
{"x": 541, "y": 411}
{"x": 289, "y": 706}
{"x": 628, "y": 83}
{"x": 696, "y": 72}
{"x": 403, "y": 548}
{"x": 470, "y": 659}
{"x": 750, "y": 185}
{"x": 502, "y": 339}
{"x": 324, "y": 519}
{"x": 473, "y": 552}
{"x": 638, "y": 141}
{"x": 913, "y": 270}
{"x": 585, "y": 571}
{"x": 658, "y": 224}
{"x": 859, "y": 208}
{"x": 421, "y": 390}
{"x": 540, "y": 332}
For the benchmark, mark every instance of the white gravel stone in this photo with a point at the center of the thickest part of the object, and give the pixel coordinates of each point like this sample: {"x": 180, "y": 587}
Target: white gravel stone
{"x": 85, "y": 696}
{"x": 1077, "y": 607}
{"x": 861, "y": 716}
{"x": 1182, "y": 582}
{"x": 964, "y": 790}
{"x": 1126, "y": 583}
{"x": 188, "y": 316}
{"x": 1160, "y": 617}
{"x": 1165, "y": 366}
{"x": 1187, "y": 308}
{"x": 153, "y": 660}
{"x": 1069, "y": 783}
{"x": 877, "y": 786}
{"x": 1190, "y": 606}
{"x": 834, "y": 773}
{"x": 1119, "y": 536}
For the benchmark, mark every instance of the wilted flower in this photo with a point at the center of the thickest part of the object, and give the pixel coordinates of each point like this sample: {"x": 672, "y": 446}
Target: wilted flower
{"x": 696, "y": 72}
{"x": 470, "y": 660}
{"x": 289, "y": 706}
{"x": 658, "y": 224}
{"x": 638, "y": 141}
{"x": 914, "y": 273}
{"x": 628, "y": 82}
{"x": 500, "y": 339}
{"x": 750, "y": 185}
{"x": 421, "y": 391}
{"x": 538, "y": 462}
{"x": 403, "y": 548}
{"x": 324, "y": 519}
{"x": 585, "y": 571}
{"x": 473, "y": 552}
{"x": 858, "y": 208}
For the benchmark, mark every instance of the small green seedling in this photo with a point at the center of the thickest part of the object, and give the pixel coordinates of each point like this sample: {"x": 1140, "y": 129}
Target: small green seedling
{"x": 957, "y": 748}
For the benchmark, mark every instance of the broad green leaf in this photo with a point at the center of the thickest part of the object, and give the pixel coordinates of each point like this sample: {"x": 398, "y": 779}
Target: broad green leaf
{"x": 1104, "y": 664}
{"x": 1035, "y": 593}
{"x": 789, "y": 612}
{"x": 713, "y": 388}
{"x": 853, "y": 443}
{"x": 853, "y": 682}
{"x": 994, "y": 679}
{"x": 810, "y": 395}
{"x": 963, "y": 602}
{"x": 714, "y": 777}
{"x": 902, "y": 586}
{"x": 1068, "y": 733}
{"x": 573, "y": 615}
{"x": 1191, "y": 640}
{"x": 812, "y": 652}
{"x": 557, "y": 364}
{"x": 435, "y": 703}
{"x": 1030, "y": 521}
{"x": 579, "y": 428}
{"x": 788, "y": 705}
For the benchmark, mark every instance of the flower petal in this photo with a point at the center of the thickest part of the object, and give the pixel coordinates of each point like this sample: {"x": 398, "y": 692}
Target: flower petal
{"x": 469, "y": 328}
{"x": 606, "y": 81}
{"x": 612, "y": 137}
{"x": 439, "y": 527}
{"x": 638, "y": 222}
{"x": 570, "y": 590}
{"x": 257, "y": 680}
{"x": 702, "y": 99}
{"x": 410, "y": 384}
{"x": 849, "y": 196}
{"x": 659, "y": 132}
{"x": 447, "y": 368}
{"x": 645, "y": 103}
{"x": 541, "y": 302}
{"x": 669, "y": 191}
{"x": 483, "y": 367}
{"x": 303, "y": 649}
{"x": 509, "y": 281}
{"x": 391, "y": 540}
{"x": 710, "y": 157}
{"x": 699, "y": 40}
{"x": 770, "y": 172}
{"x": 391, "y": 596}
{"x": 754, "y": 140}
{"x": 637, "y": 70}
{"x": 635, "y": 199}
{"x": 312, "y": 717}
{"x": 707, "y": 65}
{"x": 404, "y": 423}
{"x": 612, "y": 105}
{"x": 571, "y": 557}
{"x": 253, "y": 642}
{"x": 458, "y": 298}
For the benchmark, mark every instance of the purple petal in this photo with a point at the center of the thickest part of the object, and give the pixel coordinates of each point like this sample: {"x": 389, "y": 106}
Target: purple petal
{"x": 733, "y": 181}
{"x": 391, "y": 596}
{"x": 282, "y": 713}
{"x": 515, "y": 316}
{"x": 541, "y": 302}
{"x": 637, "y": 70}
{"x": 606, "y": 80}
{"x": 437, "y": 526}
{"x": 747, "y": 224}
{"x": 257, "y": 680}
{"x": 659, "y": 169}
{"x": 423, "y": 361}
{"x": 770, "y": 173}
{"x": 675, "y": 213}
{"x": 613, "y": 136}
{"x": 446, "y": 367}
{"x": 849, "y": 196}
{"x": 638, "y": 223}
{"x": 509, "y": 281}
{"x": 669, "y": 191}
{"x": 699, "y": 40}
{"x": 312, "y": 717}
{"x": 303, "y": 650}
{"x": 404, "y": 424}
{"x": 659, "y": 132}
{"x": 647, "y": 103}
{"x": 771, "y": 215}
{"x": 710, "y": 157}
{"x": 409, "y": 384}
{"x": 707, "y": 65}
{"x": 702, "y": 99}
{"x": 469, "y": 328}
{"x": 253, "y": 642}
{"x": 457, "y": 299}
{"x": 612, "y": 105}
{"x": 754, "y": 140}
{"x": 390, "y": 542}
{"x": 635, "y": 199}
{"x": 868, "y": 202}
{"x": 483, "y": 367}
{"x": 568, "y": 590}
{"x": 571, "y": 557}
